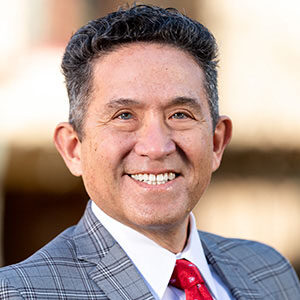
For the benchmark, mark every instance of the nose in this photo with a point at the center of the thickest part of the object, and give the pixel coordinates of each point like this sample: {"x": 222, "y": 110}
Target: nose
{"x": 154, "y": 140}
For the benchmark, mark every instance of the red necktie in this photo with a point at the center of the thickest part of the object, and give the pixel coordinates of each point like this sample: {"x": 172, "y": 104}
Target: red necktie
{"x": 187, "y": 277}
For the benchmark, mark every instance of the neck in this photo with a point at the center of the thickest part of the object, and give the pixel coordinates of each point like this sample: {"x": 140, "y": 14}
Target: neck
{"x": 172, "y": 238}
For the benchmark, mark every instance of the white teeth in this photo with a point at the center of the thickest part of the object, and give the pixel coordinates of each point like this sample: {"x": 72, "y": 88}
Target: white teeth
{"x": 171, "y": 176}
{"x": 160, "y": 177}
{"x": 154, "y": 179}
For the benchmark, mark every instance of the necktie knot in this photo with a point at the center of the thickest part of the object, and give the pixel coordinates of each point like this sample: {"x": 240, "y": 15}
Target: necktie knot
{"x": 187, "y": 277}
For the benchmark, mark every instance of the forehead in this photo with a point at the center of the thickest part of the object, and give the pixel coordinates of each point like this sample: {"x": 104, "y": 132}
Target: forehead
{"x": 147, "y": 71}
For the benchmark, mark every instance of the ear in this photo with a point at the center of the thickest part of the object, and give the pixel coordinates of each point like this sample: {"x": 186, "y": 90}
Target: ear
{"x": 69, "y": 146}
{"x": 222, "y": 137}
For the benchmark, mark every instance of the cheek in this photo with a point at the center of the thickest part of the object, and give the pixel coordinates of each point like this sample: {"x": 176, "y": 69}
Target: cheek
{"x": 115, "y": 146}
{"x": 197, "y": 147}
{"x": 204, "y": 159}
{"x": 105, "y": 152}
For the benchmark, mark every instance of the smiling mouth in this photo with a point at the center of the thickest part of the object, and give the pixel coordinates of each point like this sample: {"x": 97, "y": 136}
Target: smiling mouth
{"x": 154, "y": 179}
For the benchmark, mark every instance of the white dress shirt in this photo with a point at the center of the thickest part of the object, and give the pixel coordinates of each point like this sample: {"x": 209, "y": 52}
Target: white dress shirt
{"x": 156, "y": 264}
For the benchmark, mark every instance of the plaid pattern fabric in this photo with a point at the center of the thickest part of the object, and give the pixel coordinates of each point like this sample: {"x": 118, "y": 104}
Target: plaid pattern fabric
{"x": 251, "y": 270}
{"x": 85, "y": 262}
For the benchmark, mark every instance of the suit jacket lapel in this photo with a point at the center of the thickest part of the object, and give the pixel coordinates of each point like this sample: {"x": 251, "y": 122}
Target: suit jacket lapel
{"x": 110, "y": 267}
{"x": 231, "y": 271}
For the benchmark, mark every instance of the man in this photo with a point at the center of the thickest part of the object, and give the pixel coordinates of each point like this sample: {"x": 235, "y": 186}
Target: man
{"x": 145, "y": 134}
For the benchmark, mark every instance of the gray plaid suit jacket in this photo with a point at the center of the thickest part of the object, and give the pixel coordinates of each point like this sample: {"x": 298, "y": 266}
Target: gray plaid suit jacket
{"x": 85, "y": 262}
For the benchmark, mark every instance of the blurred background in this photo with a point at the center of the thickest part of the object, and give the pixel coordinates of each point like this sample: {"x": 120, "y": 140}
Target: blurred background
{"x": 256, "y": 192}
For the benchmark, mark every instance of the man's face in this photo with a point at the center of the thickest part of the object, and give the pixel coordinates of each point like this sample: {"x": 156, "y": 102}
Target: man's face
{"x": 147, "y": 153}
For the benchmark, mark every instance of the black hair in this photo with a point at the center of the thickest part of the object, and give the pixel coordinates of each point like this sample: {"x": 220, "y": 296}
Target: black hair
{"x": 139, "y": 23}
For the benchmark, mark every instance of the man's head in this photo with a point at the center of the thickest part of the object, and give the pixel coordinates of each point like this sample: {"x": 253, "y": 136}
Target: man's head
{"x": 140, "y": 23}
{"x": 147, "y": 145}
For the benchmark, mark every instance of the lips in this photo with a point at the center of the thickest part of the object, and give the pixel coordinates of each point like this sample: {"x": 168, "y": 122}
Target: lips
{"x": 154, "y": 179}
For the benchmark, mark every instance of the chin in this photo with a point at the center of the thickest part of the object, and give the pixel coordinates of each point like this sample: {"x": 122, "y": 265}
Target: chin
{"x": 159, "y": 220}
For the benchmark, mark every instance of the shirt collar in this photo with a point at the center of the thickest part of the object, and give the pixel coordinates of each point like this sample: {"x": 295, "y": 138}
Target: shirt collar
{"x": 149, "y": 257}
{"x": 194, "y": 252}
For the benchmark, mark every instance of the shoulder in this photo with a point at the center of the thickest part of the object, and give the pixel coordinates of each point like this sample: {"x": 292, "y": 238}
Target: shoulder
{"x": 60, "y": 248}
{"x": 41, "y": 269}
{"x": 239, "y": 248}
{"x": 258, "y": 262}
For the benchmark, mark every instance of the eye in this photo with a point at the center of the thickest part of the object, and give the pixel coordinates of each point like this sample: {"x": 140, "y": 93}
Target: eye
{"x": 180, "y": 115}
{"x": 125, "y": 116}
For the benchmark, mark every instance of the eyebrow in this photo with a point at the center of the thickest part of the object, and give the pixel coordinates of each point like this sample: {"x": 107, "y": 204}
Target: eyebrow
{"x": 187, "y": 101}
{"x": 181, "y": 100}
{"x": 120, "y": 102}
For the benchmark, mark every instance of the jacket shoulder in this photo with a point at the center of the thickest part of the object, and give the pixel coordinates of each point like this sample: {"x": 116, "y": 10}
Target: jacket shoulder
{"x": 61, "y": 247}
{"x": 262, "y": 264}
{"x": 241, "y": 249}
{"x": 50, "y": 269}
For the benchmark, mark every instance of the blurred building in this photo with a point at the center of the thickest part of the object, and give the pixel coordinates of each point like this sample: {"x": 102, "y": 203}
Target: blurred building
{"x": 256, "y": 192}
